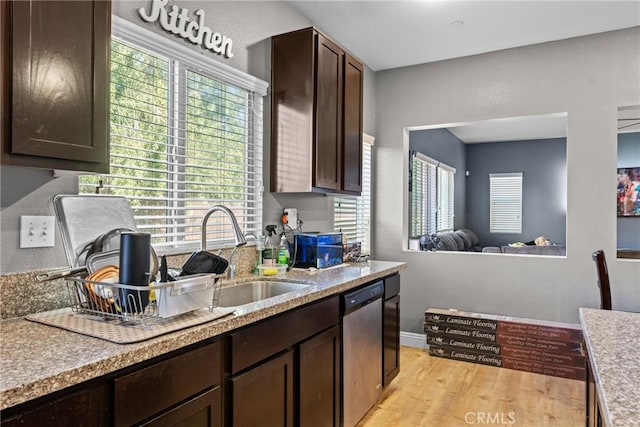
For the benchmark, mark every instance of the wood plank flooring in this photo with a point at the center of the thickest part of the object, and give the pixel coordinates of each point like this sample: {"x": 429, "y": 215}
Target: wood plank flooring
{"x": 432, "y": 391}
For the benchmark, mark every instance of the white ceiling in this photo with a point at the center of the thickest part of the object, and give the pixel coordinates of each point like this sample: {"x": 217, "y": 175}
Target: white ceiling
{"x": 541, "y": 126}
{"x": 392, "y": 34}
{"x": 512, "y": 129}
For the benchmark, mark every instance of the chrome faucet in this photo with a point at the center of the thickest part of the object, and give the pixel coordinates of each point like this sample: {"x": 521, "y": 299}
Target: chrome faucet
{"x": 237, "y": 233}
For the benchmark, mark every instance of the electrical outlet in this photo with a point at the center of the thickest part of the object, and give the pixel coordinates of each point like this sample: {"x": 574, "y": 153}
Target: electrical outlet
{"x": 292, "y": 217}
{"x": 37, "y": 231}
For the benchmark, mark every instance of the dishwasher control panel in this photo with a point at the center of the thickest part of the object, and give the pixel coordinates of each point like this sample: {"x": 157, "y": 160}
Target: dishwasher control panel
{"x": 355, "y": 299}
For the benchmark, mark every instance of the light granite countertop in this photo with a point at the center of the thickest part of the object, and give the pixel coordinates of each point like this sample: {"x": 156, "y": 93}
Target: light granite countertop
{"x": 36, "y": 359}
{"x": 613, "y": 343}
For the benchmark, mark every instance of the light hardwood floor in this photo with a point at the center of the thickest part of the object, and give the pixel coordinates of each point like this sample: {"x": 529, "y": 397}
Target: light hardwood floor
{"x": 432, "y": 391}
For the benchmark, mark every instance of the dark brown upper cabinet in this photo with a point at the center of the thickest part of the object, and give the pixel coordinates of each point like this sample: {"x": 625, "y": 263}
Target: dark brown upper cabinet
{"x": 316, "y": 115}
{"x": 56, "y": 84}
{"x": 352, "y": 150}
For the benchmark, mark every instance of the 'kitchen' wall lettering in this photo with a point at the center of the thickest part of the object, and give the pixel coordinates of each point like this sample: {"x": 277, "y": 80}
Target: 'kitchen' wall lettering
{"x": 177, "y": 22}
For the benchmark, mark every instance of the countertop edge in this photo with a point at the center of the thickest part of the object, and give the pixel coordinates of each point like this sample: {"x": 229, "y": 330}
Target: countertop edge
{"x": 612, "y": 341}
{"x": 594, "y": 369}
{"x": 125, "y": 355}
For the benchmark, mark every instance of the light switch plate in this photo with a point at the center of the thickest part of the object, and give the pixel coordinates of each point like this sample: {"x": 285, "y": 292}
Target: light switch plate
{"x": 37, "y": 231}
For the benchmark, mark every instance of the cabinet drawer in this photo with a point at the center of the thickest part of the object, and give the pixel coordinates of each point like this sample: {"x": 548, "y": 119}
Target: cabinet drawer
{"x": 153, "y": 389}
{"x": 259, "y": 341}
{"x": 85, "y": 407}
{"x": 203, "y": 410}
{"x": 391, "y": 286}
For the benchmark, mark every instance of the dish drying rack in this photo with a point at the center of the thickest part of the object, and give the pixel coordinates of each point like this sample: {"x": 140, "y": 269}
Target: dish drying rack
{"x": 146, "y": 305}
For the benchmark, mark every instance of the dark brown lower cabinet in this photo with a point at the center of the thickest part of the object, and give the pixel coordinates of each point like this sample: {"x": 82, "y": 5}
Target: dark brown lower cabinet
{"x": 282, "y": 371}
{"x": 201, "y": 411}
{"x": 180, "y": 389}
{"x": 163, "y": 388}
{"x": 285, "y": 370}
{"x": 391, "y": 356}
{"x": 592, "y": 408}
{"x": 264, "y": 395}
{"x": 391, "y": 329}
{"x": 86, "y": 407}
{"x": 319, "y": 380}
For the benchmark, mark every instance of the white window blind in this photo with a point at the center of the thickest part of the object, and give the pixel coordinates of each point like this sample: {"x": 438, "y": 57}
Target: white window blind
{"x": 445, "y": 198}
{"x": 182, "y": 140}
{"x": 352, "y": 215}
{"x": 423, "y": 195}
{"x": 505, "y": 202}
{"x": 432, "y": 196}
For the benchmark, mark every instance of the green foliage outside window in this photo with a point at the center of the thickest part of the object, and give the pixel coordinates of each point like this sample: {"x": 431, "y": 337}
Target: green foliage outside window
{"x": 179, "y": 143}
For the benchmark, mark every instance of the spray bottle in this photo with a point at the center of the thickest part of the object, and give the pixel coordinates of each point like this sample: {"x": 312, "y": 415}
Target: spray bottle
{"x": 259, "y": 250}
{"x": 270, "y": 253}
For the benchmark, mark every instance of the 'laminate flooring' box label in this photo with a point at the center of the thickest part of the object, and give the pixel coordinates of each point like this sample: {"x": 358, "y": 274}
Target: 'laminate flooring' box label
{"x": 467, "y": 356}
{"x": 460, "y": 332}
{"x": 472, "y": 320}
{"x": 458, "y": 322}
{"x": 567, "y": 351}
{"x": 463, "y": 343}
{"x": 571, "y": 372}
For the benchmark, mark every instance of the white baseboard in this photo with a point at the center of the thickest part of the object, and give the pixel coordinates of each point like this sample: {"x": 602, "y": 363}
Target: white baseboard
{"x": 411, "y": 339}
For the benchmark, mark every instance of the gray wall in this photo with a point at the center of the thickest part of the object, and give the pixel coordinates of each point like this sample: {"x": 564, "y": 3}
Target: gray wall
{"x": 249, "y": 24}
{"x": 629, "y": 157}
{"x": 544, "y": 188}
{"x": 587, "y": 77}
{"x": 442, "y": 145}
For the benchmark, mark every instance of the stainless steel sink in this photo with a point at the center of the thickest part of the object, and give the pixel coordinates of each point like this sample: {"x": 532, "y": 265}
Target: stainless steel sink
{"x": 257, "y": 290}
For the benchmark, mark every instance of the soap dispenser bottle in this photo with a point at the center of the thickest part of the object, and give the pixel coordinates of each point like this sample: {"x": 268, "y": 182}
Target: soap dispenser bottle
{"x": 283, "y": 251}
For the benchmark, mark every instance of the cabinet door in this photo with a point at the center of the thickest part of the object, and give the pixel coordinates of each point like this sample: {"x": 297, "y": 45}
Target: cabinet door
{"x": 391, "y": 331}
{"x": 264, "y": 339}
{"x": 87, "y": 407}
{"x": 60, "y": 81}
{"x": 352, "y": 151}
{"x": 146, "y": 392}
{"x": 328, "y": 112}
{"x": 201, "y": 411}
{"x": 263, "y": 396}
{"x": 319, "y": 376}
{"x": 292, "y": 100}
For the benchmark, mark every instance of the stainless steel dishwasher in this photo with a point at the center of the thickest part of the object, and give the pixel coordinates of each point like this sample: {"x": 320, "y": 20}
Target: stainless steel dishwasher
{"x": 361, "y": 351}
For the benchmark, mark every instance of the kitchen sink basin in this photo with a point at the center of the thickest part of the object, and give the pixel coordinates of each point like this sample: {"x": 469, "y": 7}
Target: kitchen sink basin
{"x": 257, "y": 290}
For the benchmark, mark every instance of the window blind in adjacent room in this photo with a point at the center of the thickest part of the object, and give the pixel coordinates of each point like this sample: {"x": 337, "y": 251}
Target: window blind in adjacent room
{"x": 445, "y": 198}
{"x": 424, "y": 195}
{"x": 505, "y": 202}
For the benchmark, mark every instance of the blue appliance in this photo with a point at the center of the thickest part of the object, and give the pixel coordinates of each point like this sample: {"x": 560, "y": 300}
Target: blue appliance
{"x": 319, "y": 250}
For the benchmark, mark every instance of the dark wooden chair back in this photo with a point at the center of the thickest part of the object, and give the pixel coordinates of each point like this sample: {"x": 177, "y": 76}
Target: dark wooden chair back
{"x": 603, "y": 279}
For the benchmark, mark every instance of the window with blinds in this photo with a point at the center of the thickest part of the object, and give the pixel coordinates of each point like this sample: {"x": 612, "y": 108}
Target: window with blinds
{"x": 352, "y": 215}
{"x": 182, "y": 140}
{"x": 423, "y": 195}
{"x": 445, "y": 198}
{"x": 432, "y": 196}
{"x": 505, "y": 202}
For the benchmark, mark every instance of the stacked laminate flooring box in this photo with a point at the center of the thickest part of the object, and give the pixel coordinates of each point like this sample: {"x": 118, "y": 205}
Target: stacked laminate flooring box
{"x": 544, "y": 347}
